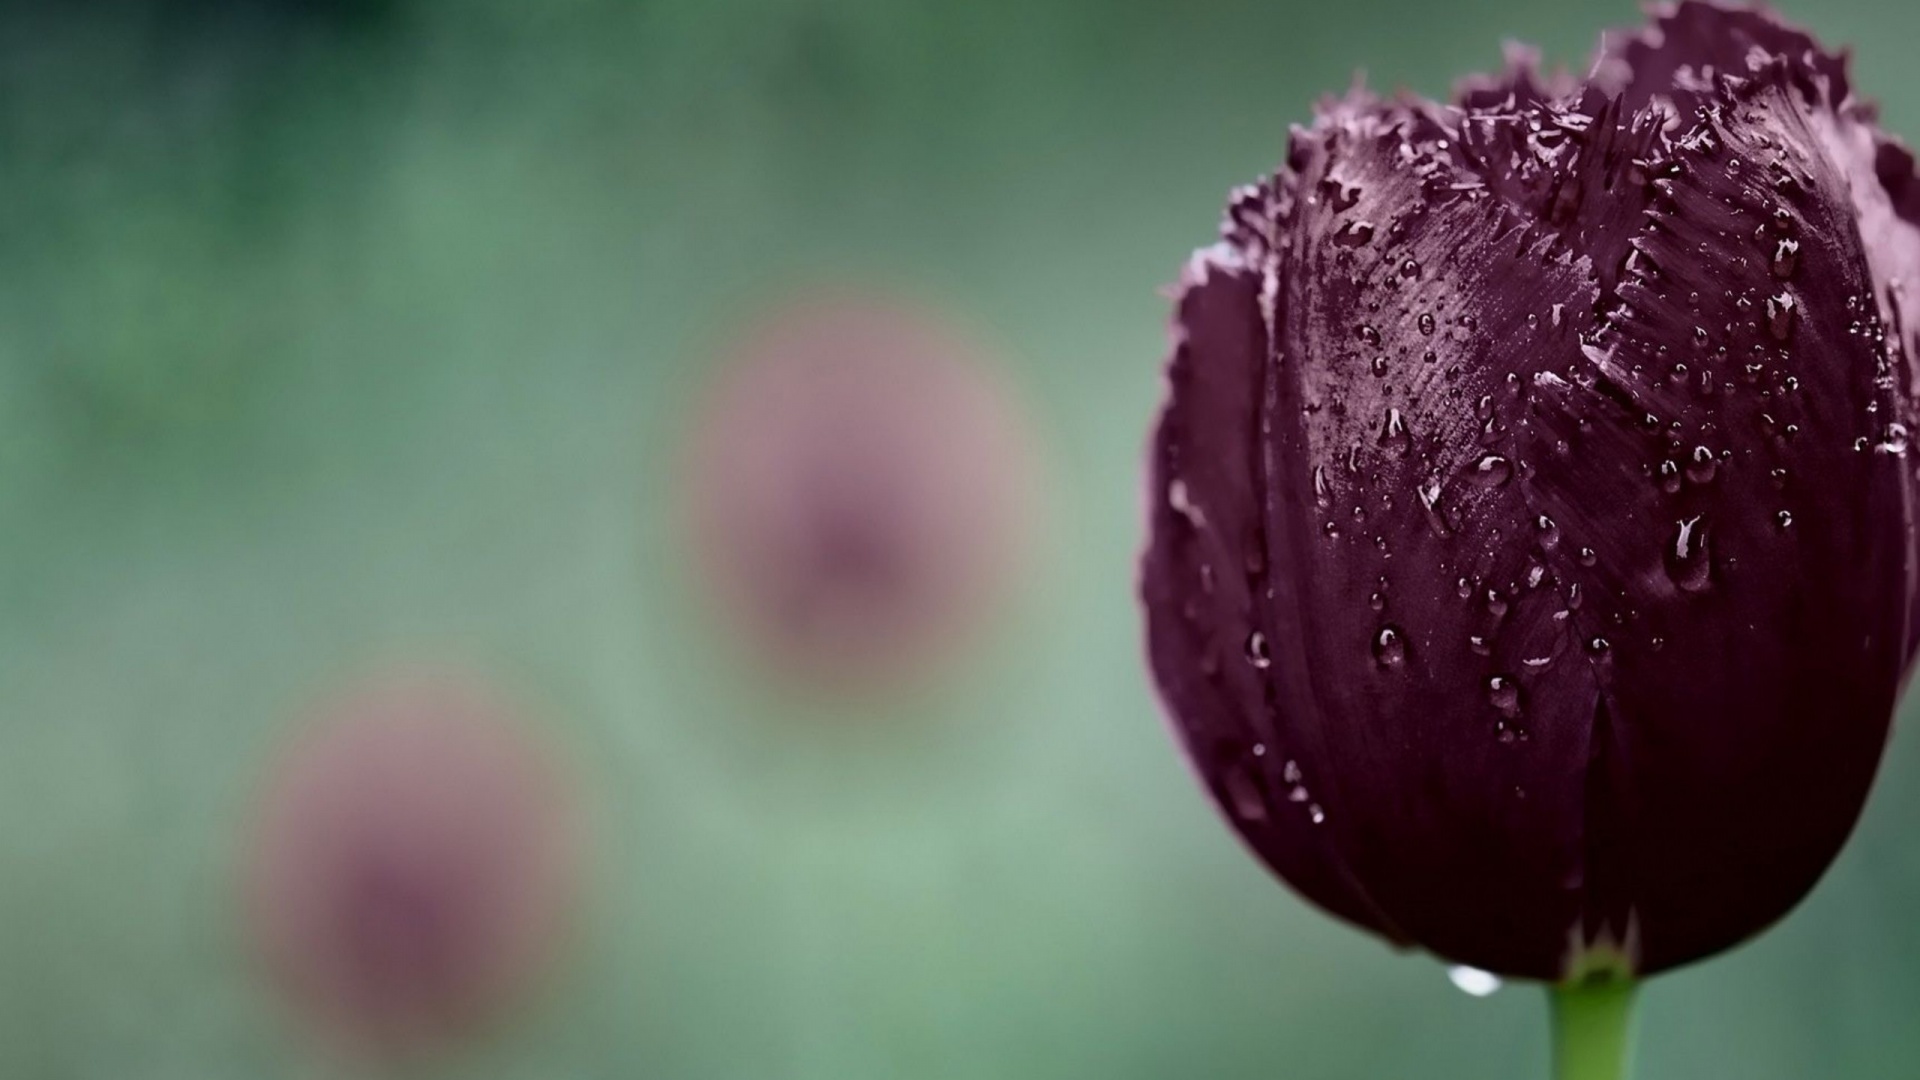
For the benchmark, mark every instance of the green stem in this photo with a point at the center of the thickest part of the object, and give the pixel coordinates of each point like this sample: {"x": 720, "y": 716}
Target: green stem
{"x": 1593, "y": 1029}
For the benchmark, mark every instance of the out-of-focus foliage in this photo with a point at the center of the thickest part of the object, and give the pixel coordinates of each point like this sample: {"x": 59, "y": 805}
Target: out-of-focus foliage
{"x": 340, "y": 336}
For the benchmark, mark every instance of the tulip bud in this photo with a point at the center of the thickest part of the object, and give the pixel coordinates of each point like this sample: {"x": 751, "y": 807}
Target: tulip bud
{"x": 1532, "y": 562}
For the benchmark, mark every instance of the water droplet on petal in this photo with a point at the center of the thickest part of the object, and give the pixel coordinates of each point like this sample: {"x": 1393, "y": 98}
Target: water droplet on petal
{"x": 1258, "y": 652}
{"x": 1893, "y": 441}
{"x": 1702, "y": 468}
{"x": 1389, "y": 647}
{"x": 1688, "y": 560}
{"x": 1670, "y": 477}
{"x": 1425, "y": 323}
{"x": 1394, "y": 435}
{"x": 1785, "y": 255}
{"x": 1504, "y": 695}
{"x": 1549, "y": 532}
{"x": 1473, "y": 981}
{"x": 1781, "y": 309}
{"x": 1182, "y": 503}
{"x": 1492, "y": 470}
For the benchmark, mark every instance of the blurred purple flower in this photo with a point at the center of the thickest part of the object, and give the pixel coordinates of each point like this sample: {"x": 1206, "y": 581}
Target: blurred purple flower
{"x": 861, "y": 489}
{"x": 411, "y": 865}
{"x": 1532, "y": 563}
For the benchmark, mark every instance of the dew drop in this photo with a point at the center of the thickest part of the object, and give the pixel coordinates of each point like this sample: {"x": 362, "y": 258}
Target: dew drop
{"x": 1669, "y": 477}
{"x": 1548, "y": 531}
{"x": 1893, "y": 441}
{"x": 1426, "y": 324}
{"x": 1588, "y": 556}
{"x": 1688, "y": 560}
{"x": 1258, "y": 652}
{"x": 1503, "y": 695}
{"x": 1492, "y": 470}
{"x": 1702, "y": 468}
{"x": 1315, "y": 814}
{"x": 1472, "y": 981}
{"x": 1394, "y": 435}
{"x": 1780, "y": 311}
{"x": 1322, "y": 494}
{"x": 1354, "y": 234}
{"x": 1784, "y": 518}
{"x": 1369, "y": 335}
{"x": 1182, "y": 503}
{"x": 1379, "y": 367}
{"x": 1786, "y": 254}
{"x": 1389, "y": 647}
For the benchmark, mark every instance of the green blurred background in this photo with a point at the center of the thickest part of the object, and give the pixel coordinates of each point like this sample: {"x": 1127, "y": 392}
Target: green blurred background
{"x": 340, "y": 334}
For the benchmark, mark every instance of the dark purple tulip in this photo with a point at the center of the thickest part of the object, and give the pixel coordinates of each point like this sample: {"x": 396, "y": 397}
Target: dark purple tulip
{"x": 1532, "y": 556}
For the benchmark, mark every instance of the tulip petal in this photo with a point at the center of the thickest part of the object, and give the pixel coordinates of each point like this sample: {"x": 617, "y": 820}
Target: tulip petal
{"x": 1203, "y": 572}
